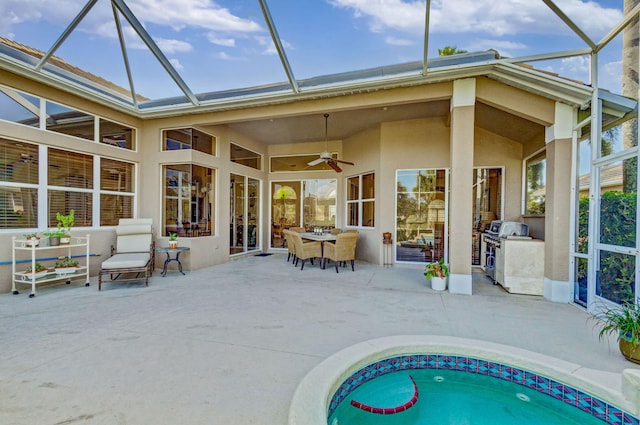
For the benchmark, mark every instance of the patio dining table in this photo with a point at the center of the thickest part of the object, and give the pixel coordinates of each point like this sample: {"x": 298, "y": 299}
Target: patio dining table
{"x": 320, "y": 237}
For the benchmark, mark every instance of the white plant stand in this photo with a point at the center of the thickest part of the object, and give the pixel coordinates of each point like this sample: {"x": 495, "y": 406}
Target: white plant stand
{"x": 79, "y": 245}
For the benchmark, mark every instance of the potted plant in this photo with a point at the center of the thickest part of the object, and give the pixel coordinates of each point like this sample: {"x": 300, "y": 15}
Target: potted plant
{"x": 623, "y": 321}
{"x": 437, "y": 272}
{"x": 54, "y": 236}
{"x": 40, "y": 270}
{"x": 173, "y": 240}
{"x": 66, "y": 265}
{"x": 65, "y": 223}
{"x": 32, "y": 239}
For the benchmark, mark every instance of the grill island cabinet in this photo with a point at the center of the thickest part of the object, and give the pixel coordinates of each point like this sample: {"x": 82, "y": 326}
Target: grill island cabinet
{"x": 520, "y": 266}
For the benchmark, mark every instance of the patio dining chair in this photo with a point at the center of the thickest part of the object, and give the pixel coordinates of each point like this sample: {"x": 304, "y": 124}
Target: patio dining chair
{"x": 343, "y": 250}
{"x": 291, "y": 247}
{"x": 305, "y": 250}
{"x": 133, "y": 256}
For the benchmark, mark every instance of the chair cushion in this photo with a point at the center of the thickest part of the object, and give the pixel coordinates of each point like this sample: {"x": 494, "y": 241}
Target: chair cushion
{"x": 127, "y": 261}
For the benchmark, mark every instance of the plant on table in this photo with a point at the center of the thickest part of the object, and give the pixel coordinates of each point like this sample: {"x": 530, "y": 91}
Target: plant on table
{"x": 38, "y": 268}
{"x": 623, "y": 321}
{"x": 32, "y": 238}
{"x": 173, "y": 240}
{"x": 65, "y": 223}
{"x": 66, "y": 262}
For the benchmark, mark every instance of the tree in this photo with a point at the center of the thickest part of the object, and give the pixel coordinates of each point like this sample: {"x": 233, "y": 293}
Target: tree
{"x": 450, "y": 50}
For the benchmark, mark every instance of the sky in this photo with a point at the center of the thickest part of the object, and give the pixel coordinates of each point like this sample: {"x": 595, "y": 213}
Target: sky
{"x": 226, "y": 44}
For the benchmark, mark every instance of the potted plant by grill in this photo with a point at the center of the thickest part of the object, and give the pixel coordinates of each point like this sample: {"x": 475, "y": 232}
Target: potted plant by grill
{"x": 173, "y": 240}
{"x": 32, "y": 239}
{"x": 66, "y": 265}
{"x": 623, "y": 321}
{"x": 437, "y": 272}
{"x": 65, "y": 223}
{"x": 40, "y": 271}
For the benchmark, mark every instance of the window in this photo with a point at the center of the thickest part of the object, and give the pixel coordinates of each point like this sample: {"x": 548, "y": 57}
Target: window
{"x": 243, "y": 156}
{"x": 360, "y": 200}
{"x": 188, "y": 138}
{"x": 114, "y": 134}
{"x": 536, "y": 178}
{"x": 116, "y": 191}
{"x": 18, "y": 184}
{"x": 319, "y": 203}
{"x": 189, "y": 197}
{"x": 62, "y": 119}
{"x": 19, "y": 107}
{"x": 70, "y": 186}
{"x": 298, "y": 163}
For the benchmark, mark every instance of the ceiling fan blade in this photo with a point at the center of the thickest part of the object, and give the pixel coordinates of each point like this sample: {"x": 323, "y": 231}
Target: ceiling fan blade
{"x": 315, "y": 162}
{"x": 344, "y": 162}
{"x": 332, "y": 163}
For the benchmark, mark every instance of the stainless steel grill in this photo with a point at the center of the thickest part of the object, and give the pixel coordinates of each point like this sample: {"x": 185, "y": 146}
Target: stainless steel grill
{"x": 492, "y": 238}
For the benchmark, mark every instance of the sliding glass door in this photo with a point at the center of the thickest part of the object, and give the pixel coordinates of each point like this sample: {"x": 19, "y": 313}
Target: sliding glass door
{"x": 421, "y": 215}
{"x": 244, "y": 222}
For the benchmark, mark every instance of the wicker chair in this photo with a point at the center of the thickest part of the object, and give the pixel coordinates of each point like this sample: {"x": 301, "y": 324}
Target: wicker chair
{"x": 291, "y": 247}
{"x": 305, "y": 251}
{"x": 343, "y": 250}
{"x": 133, "y": 253}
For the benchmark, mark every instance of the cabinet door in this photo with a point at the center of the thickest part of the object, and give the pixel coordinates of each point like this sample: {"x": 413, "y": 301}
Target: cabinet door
{"x": 500, "y": 253}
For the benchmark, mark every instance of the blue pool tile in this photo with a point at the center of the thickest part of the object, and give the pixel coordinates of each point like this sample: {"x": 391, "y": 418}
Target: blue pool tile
{"x": 614, "y": 415}
{"x": 446, "y": 362}
{"x": 506, "y": 373}
{"x": 517, "y": 376}
{"x": 494, "y": 369}
{"x": 483, "y": 367}
{"x": 599, "y": 408}
{"x": 556, "y": 389}
{"x": 630, "y": 420}
{"x": 584, "y": 401}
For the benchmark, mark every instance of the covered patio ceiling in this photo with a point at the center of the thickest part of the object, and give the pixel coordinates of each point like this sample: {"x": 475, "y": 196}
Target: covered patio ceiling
{"x": 342, "y": 124}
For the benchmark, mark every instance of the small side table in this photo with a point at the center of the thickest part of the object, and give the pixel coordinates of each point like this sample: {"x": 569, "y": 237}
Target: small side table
{"x": 168, "y": 251}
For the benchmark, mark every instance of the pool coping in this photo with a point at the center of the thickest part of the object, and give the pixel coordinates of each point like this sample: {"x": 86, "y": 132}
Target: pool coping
{"x": 310, "y": 402}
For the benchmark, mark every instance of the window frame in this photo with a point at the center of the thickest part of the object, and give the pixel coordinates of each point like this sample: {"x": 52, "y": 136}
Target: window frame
{"x": 535, "y": 158}
{"x": 359, "y": 201}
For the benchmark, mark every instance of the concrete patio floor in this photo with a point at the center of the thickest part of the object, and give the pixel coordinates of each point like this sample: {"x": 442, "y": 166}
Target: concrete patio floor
{"x": 229, "y": 344}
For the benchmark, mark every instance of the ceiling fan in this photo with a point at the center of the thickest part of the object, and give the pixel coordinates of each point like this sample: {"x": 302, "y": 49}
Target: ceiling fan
{"x": 326, "y": 156}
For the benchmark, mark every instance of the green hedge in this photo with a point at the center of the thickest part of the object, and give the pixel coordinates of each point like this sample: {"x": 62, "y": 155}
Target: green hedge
{"x": 617, "y": 227}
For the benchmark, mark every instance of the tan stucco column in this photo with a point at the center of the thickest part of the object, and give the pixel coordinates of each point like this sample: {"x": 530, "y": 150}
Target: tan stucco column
{"x": 460, "y": 212}
{"x": 557, "y": 219}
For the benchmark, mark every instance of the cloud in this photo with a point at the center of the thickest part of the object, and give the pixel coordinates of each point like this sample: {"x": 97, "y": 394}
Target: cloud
{"x": 226, "y": 42}
{"x": 394, "y": 41}
{"x": 270, "y": 47}
{"x": 176, "y": 64}
{"x": 227, "y": 57}
{"x": 179, "y": 14}
{"x": 171, "y": 14}
{"x": 506, "y": 48}
{"x": 173, "y": 46}
{"x": 496, "y": 17}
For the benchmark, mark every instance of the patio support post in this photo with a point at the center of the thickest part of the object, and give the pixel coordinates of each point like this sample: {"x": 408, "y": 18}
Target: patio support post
{"x": 461, "y": 216}
{"x": 557, "y": 221}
